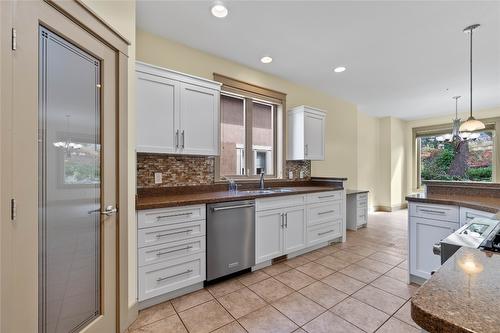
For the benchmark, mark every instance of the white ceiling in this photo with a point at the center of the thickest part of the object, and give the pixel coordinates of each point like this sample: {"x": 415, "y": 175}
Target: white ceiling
{"x": 403, "y": 59}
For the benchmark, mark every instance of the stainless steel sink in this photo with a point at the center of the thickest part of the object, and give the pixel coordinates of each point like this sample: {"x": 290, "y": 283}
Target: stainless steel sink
{"x": 257, "y": 191}
{"x": 268, "y": 191}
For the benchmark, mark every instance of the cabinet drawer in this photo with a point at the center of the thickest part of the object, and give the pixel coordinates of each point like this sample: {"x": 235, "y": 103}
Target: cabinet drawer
{"x": 279, "y": 202}
{"x": 324, "y": 232}
{"x": 324, "y": 196}
{"x": 165, "y": 216}
{"x": 164, "y": 277}
{"x": 435, "y": 212}
{"x": 362, "y": 200}
{"x": 163, "y": 252}
{"x": 323, "y": 212}
{"x": 170, "y": 233}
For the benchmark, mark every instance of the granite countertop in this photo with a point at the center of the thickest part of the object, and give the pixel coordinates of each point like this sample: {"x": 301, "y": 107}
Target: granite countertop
{"x": 484, "y": 203}
{"x": 462, "y": 296}
{"x": 157, "y": 200}
{"x": 351, "y": 191}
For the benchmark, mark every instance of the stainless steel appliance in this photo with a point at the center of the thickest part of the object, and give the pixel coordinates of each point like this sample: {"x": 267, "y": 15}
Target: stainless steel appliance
{"x": 473, "y": 234}
{"x": 492, "y": 242}
{"x": 230, "y": 237}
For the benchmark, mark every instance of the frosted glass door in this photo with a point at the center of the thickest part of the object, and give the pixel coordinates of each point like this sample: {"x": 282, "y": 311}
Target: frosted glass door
{"x": 69, "y": 185}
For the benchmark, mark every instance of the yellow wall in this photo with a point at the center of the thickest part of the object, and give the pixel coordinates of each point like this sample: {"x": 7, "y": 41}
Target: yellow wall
{"x": 369, "y": 156}
{"x": 121, "y": 16}
{"x": 398, "y": 162}
{"x": 341, "y": 126}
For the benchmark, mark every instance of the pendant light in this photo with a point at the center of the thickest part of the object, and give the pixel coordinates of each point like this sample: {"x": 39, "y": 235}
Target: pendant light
{"x": 471, "y": 124}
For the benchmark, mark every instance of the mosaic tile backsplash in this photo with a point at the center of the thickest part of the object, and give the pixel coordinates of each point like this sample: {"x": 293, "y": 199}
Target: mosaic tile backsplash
{"x": 181, "y": 170}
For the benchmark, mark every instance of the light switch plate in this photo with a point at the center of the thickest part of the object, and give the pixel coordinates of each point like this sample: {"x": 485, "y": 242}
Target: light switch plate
{"x": 158, "y": 178}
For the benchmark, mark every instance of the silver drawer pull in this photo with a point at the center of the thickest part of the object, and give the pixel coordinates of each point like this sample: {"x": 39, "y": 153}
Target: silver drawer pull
{"x": 174, "y": 233}
{"x": 159, "y": 253}
{"x": 216, "y": 209}
{"x": 173, "y": 215}
{"x": 326, "y": 196}
{"x": 327, "y": 212}
{"x": 324, "y": 233}
{"x": 171, "y": 276}
{"x": 430, "y": 211}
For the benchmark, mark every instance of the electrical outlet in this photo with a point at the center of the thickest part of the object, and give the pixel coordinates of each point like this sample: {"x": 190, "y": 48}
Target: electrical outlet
{"x": 301, "y": 175}
{"x": 290, "y": 174}
{"x": 158, "y": 178}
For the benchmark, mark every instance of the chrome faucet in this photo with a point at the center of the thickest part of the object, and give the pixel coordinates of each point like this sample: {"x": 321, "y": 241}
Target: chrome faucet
{"x": 261, "y": 181}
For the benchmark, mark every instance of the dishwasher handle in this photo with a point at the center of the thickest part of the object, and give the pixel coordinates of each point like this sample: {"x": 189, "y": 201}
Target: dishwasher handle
{"x": 216, "y": 209}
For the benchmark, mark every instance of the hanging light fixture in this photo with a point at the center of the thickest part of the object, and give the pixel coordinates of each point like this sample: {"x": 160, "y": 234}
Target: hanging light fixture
{"x": 455, "y": 132}
{"x": 471, "y": 124}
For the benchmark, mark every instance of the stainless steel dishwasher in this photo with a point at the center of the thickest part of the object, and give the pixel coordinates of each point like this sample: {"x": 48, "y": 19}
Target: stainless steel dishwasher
{"x": 230, "y": 237}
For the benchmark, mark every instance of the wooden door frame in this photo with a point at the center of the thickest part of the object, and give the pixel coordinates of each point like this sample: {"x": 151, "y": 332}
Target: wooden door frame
{"x": 85, "y": 18}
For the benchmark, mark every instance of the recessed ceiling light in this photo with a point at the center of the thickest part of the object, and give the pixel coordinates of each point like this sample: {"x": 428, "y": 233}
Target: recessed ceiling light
{"x": 219, "y": 10}
{"x": 266, "y": 60}
{"x": 339, "y": 69}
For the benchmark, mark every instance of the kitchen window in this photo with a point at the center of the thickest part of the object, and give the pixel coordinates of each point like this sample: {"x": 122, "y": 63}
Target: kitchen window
{"x": 471, "y": 160}
{"x": 251, "y": 132}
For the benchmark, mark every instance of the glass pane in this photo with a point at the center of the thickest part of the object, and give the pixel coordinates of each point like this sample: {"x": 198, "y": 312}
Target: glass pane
{"x": 232, "y": 158}
{"x": 263, "y": 138}
{"x": 470, "y": 160}
{"x": 69, "y": 185}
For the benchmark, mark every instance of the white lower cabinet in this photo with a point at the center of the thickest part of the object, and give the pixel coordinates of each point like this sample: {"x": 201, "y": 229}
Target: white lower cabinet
{"x": 171, "y": 249}
{"x": 428, "y": 224}
{"x": 278, "y": 232}
{"x": 282, "y": 228}
{"x": 424, "y": 233}
{"x": 268, "y": 235}
{"x": 295, "y": 230}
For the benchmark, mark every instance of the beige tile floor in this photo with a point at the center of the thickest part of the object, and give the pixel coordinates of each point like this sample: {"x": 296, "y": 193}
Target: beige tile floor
{"x": 356, "y": 286}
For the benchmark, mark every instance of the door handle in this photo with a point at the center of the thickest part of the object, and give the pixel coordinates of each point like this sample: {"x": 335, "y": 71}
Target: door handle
{"x": 177, "y": 139}
{"x": 110, "y": 210}
{"x": 216, "y": 209}
{"x": 182, "y": 146}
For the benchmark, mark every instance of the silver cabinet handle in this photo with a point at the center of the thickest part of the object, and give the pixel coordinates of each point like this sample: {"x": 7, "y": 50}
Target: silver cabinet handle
{"x": 286, "y": 220}
{"x": 327, "y": 212}
{"x": 324, "y": 233}
{"x": 174, "y": 233}
{"x": 177, "y": 139}
{"x": 182, "y": 146}
{"x": 216, "y": 209}
{"x": 326, "y": 196}
{"x": 282, "y": 220}
{"x": 306, "y": 149}
{"x": 172, "y": 251}
{"x": 110, "y": 210}
{"x": 431, "y": 211}
{"x": 173, "y": 215}
{"x": 171, "y": 276}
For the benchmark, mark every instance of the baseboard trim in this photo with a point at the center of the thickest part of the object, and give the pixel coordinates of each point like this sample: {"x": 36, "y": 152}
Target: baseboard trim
{"x": 392, "y": 208}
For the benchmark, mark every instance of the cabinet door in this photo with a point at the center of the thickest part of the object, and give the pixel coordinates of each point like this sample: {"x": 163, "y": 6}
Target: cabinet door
{"x": 268, "y": 235}
{"x": 199, "y": 120}
{"x": 295, "y": 230}
{"x": 157, "y": 105}
{"x": 314, "y": 137}
{"x": 424, "y": 233}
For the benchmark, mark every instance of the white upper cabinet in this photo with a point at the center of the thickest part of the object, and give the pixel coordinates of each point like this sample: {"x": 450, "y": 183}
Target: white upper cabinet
{"x": 199, "y": 120}
{"x": 176, "y": 113}
{"x": 306, "y": 133}
{"x": 157, "y": 107}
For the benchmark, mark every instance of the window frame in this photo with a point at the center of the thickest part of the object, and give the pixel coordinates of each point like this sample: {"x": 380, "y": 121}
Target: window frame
{"x": 253, "y": 93}
{"x": 492, "y": 124}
